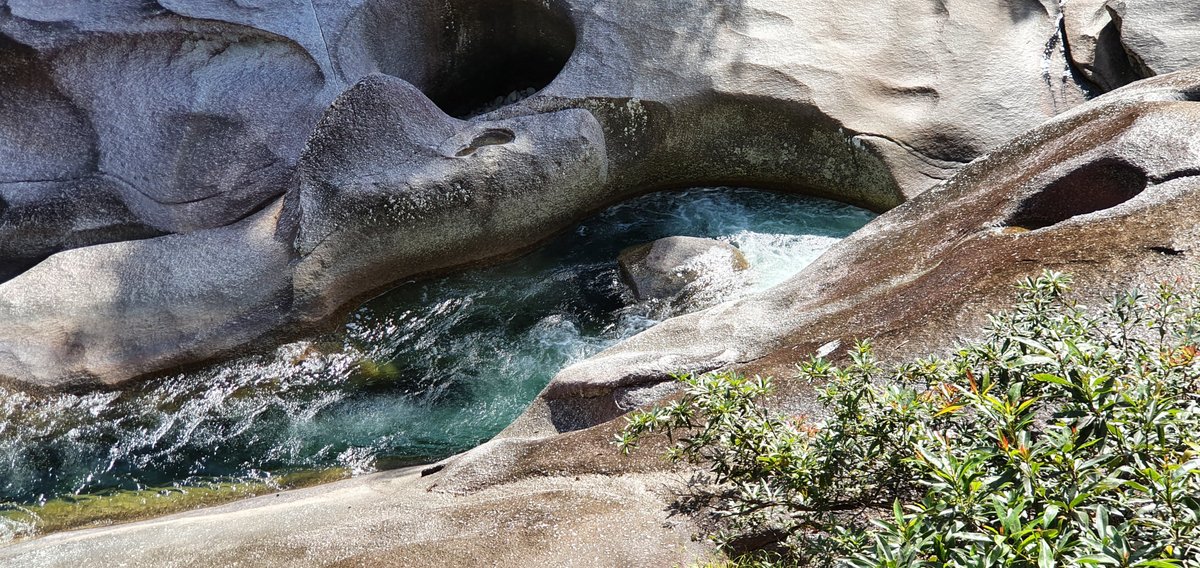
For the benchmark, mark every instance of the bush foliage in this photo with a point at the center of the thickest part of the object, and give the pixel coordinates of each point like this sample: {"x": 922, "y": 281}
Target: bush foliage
{"x": 1064, "y": 437}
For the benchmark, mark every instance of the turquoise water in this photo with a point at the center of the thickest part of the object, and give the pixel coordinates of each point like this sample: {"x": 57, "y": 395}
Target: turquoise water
{"x": 425, "y": 371}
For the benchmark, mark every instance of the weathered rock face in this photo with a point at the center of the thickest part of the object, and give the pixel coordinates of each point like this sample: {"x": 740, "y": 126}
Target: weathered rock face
{"x": 673, "y": 268}
{"x": 813, "y": 94}
{"x": 1095, "y": 42}
{"x": 765, "y": 98}
{"x": 1160, "y": 37}
{"x": 1106, "y": 192}
{"x": 202, "y": 120}
{"x": 1116, "y": 42}
{"x": 387, "y": 200}
{"x": 389, "y": 183}
{"x": 280, "y": 161}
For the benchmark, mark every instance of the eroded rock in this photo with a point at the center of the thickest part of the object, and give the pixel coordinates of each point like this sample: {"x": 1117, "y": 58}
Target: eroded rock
{"x": 389, "y": 186}
{"x": 1094, "y": 38}
{"x": 281, "y": 224}
{"x": 1160, "y": 36}
{"x": 1106, "y": 192}
{"x": 196, "y": 115}
{"x": 672, "y": 268}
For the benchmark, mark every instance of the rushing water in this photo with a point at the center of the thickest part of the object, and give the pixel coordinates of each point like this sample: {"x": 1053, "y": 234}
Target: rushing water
{"x": 427, "y": 370}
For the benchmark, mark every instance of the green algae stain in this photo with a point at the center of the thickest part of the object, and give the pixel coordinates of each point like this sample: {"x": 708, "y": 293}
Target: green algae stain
{"x": 113, "y": 507}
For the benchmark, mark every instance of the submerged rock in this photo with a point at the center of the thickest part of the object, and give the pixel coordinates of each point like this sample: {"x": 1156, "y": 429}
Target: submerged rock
{"x": 674, "y": 269}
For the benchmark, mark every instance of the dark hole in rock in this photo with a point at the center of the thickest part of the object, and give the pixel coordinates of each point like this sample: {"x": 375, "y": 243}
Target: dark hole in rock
{"x": 1093, "y": 187}
{"x": 491, "y": 137}
{"x": 470, "y": 56}
{"x": 1169, "y": 251}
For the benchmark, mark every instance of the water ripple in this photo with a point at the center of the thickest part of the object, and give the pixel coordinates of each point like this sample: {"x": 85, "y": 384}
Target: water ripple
{"x": 427, "y": 370}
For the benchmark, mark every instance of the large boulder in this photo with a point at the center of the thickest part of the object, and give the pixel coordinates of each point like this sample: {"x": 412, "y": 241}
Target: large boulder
{"x": 1107, "y": 192}
{"x": 389, "y": 188}
{"x": 865, "y": 102}
{"x": 389, "y": 185}
{"x": 868, "y": 102}
{"x": 672, "y": 269}
{"x": 1160, "y": 36}
{"x": 137, "y": 121}
{"x": 104, "y": 313}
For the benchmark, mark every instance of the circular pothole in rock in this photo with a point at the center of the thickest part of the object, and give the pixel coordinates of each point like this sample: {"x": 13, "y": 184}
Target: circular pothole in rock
{"x": 469, "y": 56}
{"x": 1093, "y": 187}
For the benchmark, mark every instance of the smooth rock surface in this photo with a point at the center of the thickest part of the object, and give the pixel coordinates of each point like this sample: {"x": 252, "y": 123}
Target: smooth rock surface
{"x": 287, "y": 203}
{"x": 666, "y": 268}
{"x": 389, "y": 185}
{"x": 384, "y": 201}
{"x": 196, "y": 115}
{"x": 96, "y": 314}
{"x": 1160, "y": 36}
{"x": 1106, "y": 192}
{"x": 394, "y": 520}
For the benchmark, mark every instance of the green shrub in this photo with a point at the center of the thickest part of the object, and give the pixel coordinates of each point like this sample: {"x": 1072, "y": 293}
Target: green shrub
{"x": 1065, "y": 437}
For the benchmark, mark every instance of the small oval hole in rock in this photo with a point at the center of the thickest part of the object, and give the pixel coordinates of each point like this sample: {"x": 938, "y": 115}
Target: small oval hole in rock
{"x": 1093, "y": 187}
{"x": 491, "y": 137}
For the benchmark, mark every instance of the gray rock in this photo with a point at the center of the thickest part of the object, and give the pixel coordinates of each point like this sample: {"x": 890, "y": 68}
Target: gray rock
{"x": 377, "y": 201}
{"x": 1160, "y": 36}
{"x": 105, "y": 313}
{"x": 400, "y": 519}
{"x": 189, "y": 123}
{"x": 201, "y": 119}
{"x": 669, "y": 268}
{"x": 179, "y": 126}
{"x": 1105, "y": 192}
{"x": 40, "y": 218}
{"x": 196, "y": 115}
{"x": 1094, "y": 38}
{"x": 390, "y": 186}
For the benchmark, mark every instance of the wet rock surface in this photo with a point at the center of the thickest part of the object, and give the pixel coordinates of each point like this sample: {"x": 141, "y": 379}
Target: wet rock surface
{"x": 672, "y": 268}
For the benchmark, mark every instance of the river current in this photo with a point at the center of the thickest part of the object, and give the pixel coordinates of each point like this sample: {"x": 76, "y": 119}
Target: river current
{"x": 424, "y": 371}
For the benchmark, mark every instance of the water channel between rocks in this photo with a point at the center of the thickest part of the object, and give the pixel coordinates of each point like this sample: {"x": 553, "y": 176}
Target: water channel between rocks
{"x": 427, "y": 370}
